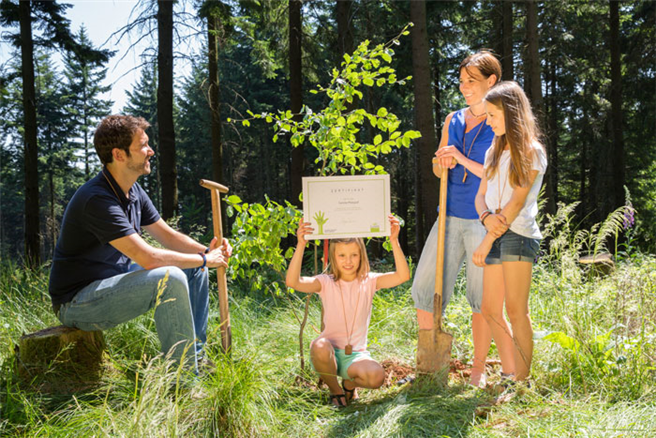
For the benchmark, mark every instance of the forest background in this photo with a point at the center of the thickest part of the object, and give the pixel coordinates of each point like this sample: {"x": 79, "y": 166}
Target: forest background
{"x": 588, "y": 68}
{"x": 237, "y": 111}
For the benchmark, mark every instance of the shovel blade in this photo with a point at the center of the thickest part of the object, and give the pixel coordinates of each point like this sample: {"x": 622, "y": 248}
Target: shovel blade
{"x": 433, "y": 351}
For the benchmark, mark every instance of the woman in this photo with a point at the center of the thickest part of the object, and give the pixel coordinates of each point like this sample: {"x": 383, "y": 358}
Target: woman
{"x": 465, "y": 140}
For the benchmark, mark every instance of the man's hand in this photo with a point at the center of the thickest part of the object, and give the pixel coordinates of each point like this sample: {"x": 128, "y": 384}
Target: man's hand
{"x": 219, "y": 255}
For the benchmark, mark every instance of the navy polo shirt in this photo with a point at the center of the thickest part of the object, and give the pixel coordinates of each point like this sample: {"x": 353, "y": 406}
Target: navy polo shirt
{"x": 98, "y": 213}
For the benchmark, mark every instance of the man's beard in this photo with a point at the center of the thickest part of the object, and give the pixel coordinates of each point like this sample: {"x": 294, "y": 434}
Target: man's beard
{"x": 142, "y": 168}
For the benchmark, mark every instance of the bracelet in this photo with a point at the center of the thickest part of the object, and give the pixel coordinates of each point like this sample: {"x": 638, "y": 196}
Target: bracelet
{"x": 202, "y": 254}
{"x": 484, "y": 216}
{"x": 207, "y": 250}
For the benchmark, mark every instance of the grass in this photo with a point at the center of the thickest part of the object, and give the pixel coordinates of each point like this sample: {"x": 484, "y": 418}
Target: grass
{"x": 594, "y": 369}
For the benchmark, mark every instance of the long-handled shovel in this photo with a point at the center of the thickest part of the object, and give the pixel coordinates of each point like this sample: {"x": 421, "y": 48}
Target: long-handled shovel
{"x": 224, "y": 312}
{"x": 434, "y": 346}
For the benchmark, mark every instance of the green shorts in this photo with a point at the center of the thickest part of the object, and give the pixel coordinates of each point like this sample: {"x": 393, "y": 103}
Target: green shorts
{"x": 344, "y": 362}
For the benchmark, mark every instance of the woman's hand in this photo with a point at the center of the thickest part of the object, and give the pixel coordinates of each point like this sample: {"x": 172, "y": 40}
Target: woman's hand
{"x": 482, "y": 251}
{"x": 304, "y": 228}
{"x": 449, "y": 156}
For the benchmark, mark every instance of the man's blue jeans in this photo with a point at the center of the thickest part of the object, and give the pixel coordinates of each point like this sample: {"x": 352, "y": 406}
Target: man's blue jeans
{"x": 181, "y": 309}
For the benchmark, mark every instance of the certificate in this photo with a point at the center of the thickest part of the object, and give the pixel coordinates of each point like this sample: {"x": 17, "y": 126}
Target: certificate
{"x": 347, "y": 206}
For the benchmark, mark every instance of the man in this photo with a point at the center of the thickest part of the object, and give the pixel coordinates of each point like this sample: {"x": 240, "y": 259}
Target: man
{"x": 104, "y": 273}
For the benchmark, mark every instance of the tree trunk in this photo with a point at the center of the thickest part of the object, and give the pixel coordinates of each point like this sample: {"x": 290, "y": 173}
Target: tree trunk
{"x": 344, "y": 28}
{"x": 496, "y": 33}
{"x": 424, "y": 121}
{"x": 296, "y": 94}
{"x": 213, "y": 27}
{"x": 551, "y": 139}
{"x": 214, "y": 99}
{"x": 168, "y": 170}
{"x": 507, "y": 52}
{"x": 617, "y": 153}
{"x": 533, "y": 85}
{"x": 61, "y": 358}
{"x": 32, "y": 231}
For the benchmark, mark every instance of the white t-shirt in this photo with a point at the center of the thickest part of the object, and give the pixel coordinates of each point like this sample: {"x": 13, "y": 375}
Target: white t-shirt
{"x": 499, "y": 188}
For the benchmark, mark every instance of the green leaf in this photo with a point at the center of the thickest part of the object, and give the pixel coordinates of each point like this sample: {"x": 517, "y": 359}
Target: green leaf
{"x": 378, "y": 139}
{"x": 567, "y": 342}
{"x": 233, "y": 199}
{"x": 245, "y": 123}
{"x": 412, "y": 134}
{"x": 382, "y": 112}
{"x": 368, "y": 82}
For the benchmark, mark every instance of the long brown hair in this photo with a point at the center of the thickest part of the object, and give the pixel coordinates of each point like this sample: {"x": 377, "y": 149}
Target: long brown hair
{"x": 485, "y": 62}
{"x": 363, "y": 269}
{"x": 521, "y": 132}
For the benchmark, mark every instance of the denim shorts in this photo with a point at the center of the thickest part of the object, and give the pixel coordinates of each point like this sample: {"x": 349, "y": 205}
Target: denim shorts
{"x": 513, "y": 247}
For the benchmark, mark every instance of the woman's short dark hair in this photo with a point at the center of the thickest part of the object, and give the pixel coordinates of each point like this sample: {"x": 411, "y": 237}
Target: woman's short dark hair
{"x": 485, "y": 62}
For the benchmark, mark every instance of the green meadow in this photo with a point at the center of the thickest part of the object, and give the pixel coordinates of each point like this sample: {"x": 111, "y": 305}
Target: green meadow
{"x": 593, "y": 372}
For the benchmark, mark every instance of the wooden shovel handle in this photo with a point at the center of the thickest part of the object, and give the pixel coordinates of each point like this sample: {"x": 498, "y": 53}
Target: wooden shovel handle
{"x": 439, "y": 265}
{"x": 224, "y": 311}
{"x": 213, "y": 185}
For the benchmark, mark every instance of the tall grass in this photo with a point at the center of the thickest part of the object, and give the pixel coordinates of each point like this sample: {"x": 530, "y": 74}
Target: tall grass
{"x": 593, "y": 369}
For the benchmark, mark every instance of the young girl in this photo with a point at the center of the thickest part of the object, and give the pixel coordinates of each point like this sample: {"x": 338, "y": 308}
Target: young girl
{"x": 507, "y": 205}
{"x": 346, "y": 294}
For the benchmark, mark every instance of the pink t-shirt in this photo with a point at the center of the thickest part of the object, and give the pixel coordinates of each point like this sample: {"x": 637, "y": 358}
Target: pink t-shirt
{"x": 332, "y": 293}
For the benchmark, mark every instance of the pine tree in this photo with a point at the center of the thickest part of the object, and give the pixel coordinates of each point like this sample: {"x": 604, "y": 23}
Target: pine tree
{"x": 83, "y": 85}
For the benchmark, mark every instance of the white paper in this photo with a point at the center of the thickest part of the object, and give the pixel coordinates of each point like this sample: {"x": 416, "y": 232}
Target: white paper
{"x": 347, "y": 206}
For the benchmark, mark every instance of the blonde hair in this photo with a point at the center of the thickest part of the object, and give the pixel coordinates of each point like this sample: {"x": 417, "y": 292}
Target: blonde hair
{"x": 485, "y": 62}
{"x": 521, "y": 132}
{"x": 363, "y": 269}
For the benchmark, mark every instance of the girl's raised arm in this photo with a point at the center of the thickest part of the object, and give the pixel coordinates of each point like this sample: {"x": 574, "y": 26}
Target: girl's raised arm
{"x": 294, "y": 279}
{"x": 402, "y": 272}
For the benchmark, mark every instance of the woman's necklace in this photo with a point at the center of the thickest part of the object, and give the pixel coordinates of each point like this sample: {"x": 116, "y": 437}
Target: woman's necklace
{"x": 464, "y": 142}
{"x": 348, "y": 350}
{"x": 501, "y": 191}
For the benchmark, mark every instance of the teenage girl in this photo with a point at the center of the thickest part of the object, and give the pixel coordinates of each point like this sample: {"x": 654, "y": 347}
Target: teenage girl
{"x": 507, "y": 205}
{"x": 465, "y": 140}
{"x": 346, "y": 293}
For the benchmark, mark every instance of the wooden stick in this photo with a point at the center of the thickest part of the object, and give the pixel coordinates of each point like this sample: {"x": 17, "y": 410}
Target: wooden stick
{"x": 212, "y": 185}
{"x": 224, "y": 311}
{"x": 439, "y": 265}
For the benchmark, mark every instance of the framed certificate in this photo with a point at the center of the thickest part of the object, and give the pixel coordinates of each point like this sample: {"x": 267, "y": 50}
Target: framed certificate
{"x": 347, "y": 206}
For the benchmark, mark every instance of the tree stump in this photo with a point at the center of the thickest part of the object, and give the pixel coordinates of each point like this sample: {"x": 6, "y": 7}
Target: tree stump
{"x": 600, "y": 264}
{"x": 61, "y": 357}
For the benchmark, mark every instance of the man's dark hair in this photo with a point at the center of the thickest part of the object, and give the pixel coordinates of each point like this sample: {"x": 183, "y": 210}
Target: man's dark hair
{"x": 116, "y": 132}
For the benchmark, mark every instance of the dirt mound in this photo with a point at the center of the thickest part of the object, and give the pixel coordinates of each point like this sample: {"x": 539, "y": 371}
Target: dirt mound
{"x": 395, "y": 370}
